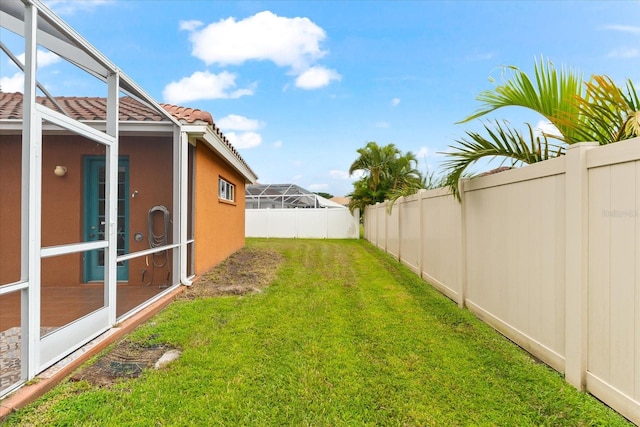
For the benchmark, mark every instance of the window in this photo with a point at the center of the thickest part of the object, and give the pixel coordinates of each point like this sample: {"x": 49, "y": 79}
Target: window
{"x": 226, "y": 190}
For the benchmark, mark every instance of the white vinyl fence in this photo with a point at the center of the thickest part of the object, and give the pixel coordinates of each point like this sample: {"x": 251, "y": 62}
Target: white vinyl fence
{"x": 548, "y": 254}
{"x": 326, "y": 223}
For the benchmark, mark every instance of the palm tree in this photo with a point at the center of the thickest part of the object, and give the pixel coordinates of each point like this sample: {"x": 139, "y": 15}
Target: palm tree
{"x": 387, "y": 173}
{"x": 374, "y": 161}
{"x": 605, "y": 114}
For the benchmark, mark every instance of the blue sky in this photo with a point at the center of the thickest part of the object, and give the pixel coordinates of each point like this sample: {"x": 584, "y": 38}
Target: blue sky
{"x": 298, "y": 86}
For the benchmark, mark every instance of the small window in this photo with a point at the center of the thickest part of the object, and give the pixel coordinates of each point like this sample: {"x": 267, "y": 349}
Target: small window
{"x": 226, "y": 190}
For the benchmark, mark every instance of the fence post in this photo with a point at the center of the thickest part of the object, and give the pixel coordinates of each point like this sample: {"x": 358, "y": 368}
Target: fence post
{"x": 463, "y": 243}
{"x": 400, "y": 202}
{"x": 383, "y": 206}
{"x": 421, "y": 194}
{"x": 576, "y": 259}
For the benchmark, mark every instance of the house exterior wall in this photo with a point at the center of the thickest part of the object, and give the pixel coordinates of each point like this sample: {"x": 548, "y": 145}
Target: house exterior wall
{"x": 219, "y": 225}
{"x": 150, "y": 163}
{"x": 10, "y": 178}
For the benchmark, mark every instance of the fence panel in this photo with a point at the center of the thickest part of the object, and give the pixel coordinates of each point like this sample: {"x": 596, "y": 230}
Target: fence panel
{"x": 393, "y": 233}
{"x": 409, "y": 222}
{"x": 311, "y": 223}
{"x": 613, "y": 363}
{"x": 381, "y": 226}
{"x": 302, "y": 223}
{"x": 515, "y": 260}
{"x": 341, "y": 224}
{"x": 442, "y": 242}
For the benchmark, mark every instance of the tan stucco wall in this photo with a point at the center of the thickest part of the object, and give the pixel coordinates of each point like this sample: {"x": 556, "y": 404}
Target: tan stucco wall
{"x": 219, "y": 225}
{"x": 10, "y": 170}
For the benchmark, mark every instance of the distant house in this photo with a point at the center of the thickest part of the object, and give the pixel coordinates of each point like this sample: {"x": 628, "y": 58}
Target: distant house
{"x": 106, "y": 204}
{"x": 344, "y": 201}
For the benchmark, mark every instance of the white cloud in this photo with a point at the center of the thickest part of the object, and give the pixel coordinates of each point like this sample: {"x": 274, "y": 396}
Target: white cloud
{"x": 14, "y": 83}
{"x": 318, "y": 187}
{"x": 382, "y": 125}
{"x": 624, "y": 28}
{"x": 338, "y": 174}
{"x": 288, "y": 42}
{"x": 546, "y": 127}
{"x": 316, "y": 77}
{"x": 422, "y": 153}
{"x": 68, "y": 7}
{"x": 358, "y": 174}
{"x": 244, "y": 139}
{"x": 190, "y": 25}
{"x": 236, "y": 122}
{"x": 43, "y": 58}
{"x": 479, "y": 56}
{"x": 344, "y": 175}
{"x": 296, "y": 178}
{"x": 204, "y": 85}
{"x": 624, "y": 53}
{"x": 395, "y": 102}
{"x": 277, "y": 144}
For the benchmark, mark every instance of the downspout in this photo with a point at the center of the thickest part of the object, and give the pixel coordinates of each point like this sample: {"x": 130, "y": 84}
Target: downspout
{"x": 184, "y": 211}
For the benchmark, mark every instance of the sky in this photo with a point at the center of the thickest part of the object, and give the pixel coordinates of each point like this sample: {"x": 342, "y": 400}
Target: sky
{"x": 299, "y": 86}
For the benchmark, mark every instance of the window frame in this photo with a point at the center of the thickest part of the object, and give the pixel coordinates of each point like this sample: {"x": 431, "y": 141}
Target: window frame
{"x": 226, "y": 190}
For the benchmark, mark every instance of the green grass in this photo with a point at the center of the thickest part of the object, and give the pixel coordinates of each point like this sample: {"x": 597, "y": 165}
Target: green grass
{"x": 343, "y": 337}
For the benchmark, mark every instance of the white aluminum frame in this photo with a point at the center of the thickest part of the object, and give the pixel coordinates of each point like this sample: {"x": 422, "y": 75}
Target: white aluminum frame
{"x": 39, "y": 26}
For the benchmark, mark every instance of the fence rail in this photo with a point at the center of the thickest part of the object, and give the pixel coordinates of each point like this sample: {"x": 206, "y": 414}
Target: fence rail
{"x": 548, "y": 254}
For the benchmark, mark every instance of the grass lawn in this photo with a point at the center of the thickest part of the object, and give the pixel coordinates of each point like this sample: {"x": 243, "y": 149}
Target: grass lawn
{"x": 344, "y": 336}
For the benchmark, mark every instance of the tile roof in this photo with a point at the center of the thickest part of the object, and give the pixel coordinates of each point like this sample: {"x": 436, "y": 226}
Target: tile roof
{"x": 85, "y": 108}
{"x": 495, "y": 171}
{"x": 90, "y": 108}
{"x": 190, "y": 115}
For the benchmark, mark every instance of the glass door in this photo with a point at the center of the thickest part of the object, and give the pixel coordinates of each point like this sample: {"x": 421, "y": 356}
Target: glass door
{"x": 94, "y": 216}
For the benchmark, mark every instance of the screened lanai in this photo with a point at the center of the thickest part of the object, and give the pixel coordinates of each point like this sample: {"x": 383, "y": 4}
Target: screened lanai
{"x": 285, "y": 196}
{"x": 75, "y": 190}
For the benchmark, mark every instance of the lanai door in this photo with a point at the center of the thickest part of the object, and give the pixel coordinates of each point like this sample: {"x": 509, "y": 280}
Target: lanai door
{"x": 94, "y": 216}
{"x": 63, "y": 312}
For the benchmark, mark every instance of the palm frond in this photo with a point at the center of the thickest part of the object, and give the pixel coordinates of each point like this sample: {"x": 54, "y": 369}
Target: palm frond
{"x": 500, "y": 142}
{"x": 552, "y": 94}
{"x": 609, "y": 114}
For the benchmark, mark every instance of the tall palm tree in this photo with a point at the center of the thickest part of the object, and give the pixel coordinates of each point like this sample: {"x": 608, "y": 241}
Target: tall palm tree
{"x": 374, "y": 161}
{"x": 387, "y": 173}
{"x": 605, "y": 113}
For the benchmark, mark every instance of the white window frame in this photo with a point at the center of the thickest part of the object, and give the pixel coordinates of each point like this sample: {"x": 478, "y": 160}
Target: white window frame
{"x": 226, "y": 190}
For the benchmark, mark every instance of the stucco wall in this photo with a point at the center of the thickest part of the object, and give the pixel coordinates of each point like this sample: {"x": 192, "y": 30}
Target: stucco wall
{"x": 10, "y": 173}
{"x": 219, "y": 225}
